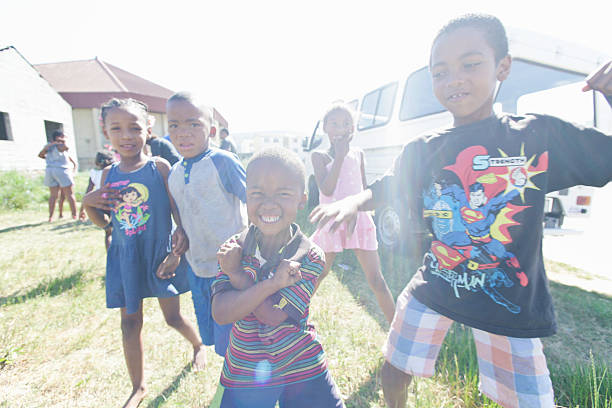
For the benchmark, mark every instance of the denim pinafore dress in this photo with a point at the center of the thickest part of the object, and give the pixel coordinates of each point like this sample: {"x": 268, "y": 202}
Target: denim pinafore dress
{"x": 140, "y": 240}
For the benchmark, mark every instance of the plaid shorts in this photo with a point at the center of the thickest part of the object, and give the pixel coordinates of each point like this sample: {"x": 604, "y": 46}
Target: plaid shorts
{"x": 513, "y": 371}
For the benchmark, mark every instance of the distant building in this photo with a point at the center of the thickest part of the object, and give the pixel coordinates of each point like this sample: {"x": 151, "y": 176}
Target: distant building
{"x": 88, "y": 84}
{"x": 249, "y": 143}
{"x": 30, "y": 110}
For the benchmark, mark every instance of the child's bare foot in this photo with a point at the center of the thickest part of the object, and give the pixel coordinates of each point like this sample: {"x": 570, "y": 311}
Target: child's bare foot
{"x": 50, "y": 219}
{"x": 136, "y": 398}
{"x": 166, "y": 269}
{"x": 199, "y": 358}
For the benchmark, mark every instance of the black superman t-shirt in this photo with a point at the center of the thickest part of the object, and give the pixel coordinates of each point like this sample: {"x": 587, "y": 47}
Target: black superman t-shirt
{"x": 480, "y": 190}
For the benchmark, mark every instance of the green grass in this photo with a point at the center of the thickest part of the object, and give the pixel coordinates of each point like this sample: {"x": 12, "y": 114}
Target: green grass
{"x": 22, "y": 191}
{"x": 60, "y": 346}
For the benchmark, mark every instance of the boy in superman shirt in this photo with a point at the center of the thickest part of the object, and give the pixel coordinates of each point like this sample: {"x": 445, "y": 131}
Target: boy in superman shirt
{"x": 479, "y": 188}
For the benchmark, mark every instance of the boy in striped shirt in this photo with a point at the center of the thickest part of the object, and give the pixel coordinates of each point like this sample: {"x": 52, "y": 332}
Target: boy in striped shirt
{"x": 267, "y": 275}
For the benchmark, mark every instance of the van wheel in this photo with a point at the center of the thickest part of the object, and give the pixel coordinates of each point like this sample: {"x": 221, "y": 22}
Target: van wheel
{"x": 388, "y": 227}
{"x": 313, "y": 192}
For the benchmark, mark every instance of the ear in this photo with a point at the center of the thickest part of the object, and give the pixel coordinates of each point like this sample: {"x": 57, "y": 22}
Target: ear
{"x": 303, "y": 202}
{"x": 105, "y": 133}
{"x": 503, "y": 68}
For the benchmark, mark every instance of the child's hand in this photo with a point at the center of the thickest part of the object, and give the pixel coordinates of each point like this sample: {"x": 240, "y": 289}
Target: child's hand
{"x": 341, "y": 211}
{"x": 287, "y": 274}
{"x": 341, "y": 146}
{"x": 104, "y": 198}
{"x": 180, "y": 242}
{"x": 600, "y": 80}
{"x": 230, "y": 258}
{"x": 82, "y": 215}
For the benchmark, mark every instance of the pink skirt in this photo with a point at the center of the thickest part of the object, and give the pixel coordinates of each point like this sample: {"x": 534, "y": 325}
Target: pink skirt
{"x": 364, "y": 236}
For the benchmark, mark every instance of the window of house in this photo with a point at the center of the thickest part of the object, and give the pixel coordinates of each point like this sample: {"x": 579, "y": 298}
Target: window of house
{"x": 377, "y": 107}
{"x": 5, "y": 127}
{"x": 51, "y": 127}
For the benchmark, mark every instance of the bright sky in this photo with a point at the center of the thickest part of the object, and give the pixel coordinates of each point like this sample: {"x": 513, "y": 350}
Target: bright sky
{"x": 268, "y": 64}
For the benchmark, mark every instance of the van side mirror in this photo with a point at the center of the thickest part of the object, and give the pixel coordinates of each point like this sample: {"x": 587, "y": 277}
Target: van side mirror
{"x": 316, "y": 143}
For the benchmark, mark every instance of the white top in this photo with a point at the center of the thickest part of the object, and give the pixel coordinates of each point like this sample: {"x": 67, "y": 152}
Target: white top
{"x": 96, "y": 176}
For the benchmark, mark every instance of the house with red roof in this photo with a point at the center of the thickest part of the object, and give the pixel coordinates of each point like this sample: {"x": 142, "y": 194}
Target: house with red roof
{"x": 87, "y": 84}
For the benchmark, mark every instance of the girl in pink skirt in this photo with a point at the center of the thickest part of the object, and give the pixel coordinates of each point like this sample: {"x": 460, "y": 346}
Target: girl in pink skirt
{"x": 340, "y": 173}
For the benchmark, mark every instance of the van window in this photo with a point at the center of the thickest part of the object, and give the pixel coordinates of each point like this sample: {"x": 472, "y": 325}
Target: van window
{"x": 377, "y": 106}
{"x": 317, "y": 136}
{"x": 418, "y": 99}
{"x": 525, "y": 77}
{"x": 528, "y": 77}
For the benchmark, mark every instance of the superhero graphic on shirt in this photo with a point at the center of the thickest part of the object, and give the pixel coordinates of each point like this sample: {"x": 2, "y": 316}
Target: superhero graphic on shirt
{"x": 470, "y": 221}
{"x": 131, "y": 212}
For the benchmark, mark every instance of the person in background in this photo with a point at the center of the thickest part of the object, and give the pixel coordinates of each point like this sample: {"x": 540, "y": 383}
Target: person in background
{"x": 103, "y": 160}
{"x": 340, "y": 172}
{"x": 226, "y": 141}
{"x": 59, "y": 173}
{"x": 161, "y": 146}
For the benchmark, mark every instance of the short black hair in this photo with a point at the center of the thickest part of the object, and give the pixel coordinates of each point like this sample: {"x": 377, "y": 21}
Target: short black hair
{"x": 490, "y": 26}
{"x": 224, "y": 130}
{"x": 286, "y": 158}
{"x": 477, "y": 186}
{"x": 195, "y": 100}
{"x": 56, "y": 133}
{"x": 105, "y": 158}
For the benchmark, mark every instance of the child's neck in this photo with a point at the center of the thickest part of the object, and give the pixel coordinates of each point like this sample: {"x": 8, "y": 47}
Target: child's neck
{"x": 269, "y": 245}
{"x": 197, "y": 155}
{"x": 128, "y": 164}
{"x": 470, "y": 120}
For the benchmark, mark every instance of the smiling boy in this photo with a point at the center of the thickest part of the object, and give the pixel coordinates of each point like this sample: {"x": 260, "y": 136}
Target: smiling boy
{"x": 480, "y": 187}
{"x": 266, "y": 279}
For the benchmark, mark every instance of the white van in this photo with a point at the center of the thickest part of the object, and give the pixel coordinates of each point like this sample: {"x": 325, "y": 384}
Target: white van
{"x": 547, "y": 76}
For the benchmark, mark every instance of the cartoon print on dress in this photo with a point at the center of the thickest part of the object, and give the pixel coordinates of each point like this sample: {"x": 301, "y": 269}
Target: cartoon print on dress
{"x": 131, "y": 212}
{"x": 471, "y": 221}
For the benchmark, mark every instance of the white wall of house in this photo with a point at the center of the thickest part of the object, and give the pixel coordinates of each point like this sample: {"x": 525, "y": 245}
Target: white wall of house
{"x": 89, "y": 136}
{"x": 29, "y": 101}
